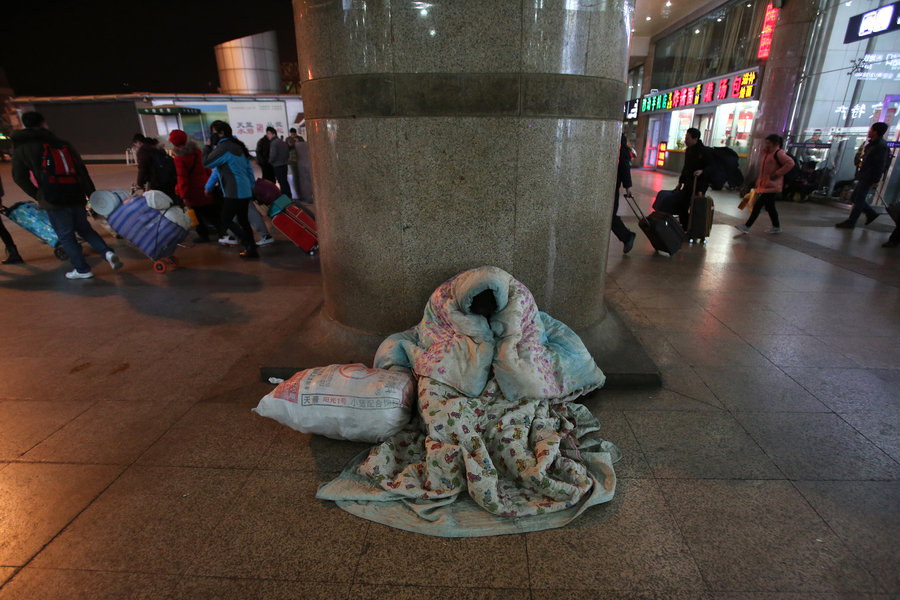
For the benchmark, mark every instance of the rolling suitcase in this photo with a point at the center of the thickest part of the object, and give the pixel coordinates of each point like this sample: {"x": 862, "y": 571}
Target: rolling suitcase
{"x": 667, "y": 201}
{"x": 662, "y": 229}
{"x": 33, "y": 219}
{"x": 299, "y": 226}
{"x": 701, "y": 216}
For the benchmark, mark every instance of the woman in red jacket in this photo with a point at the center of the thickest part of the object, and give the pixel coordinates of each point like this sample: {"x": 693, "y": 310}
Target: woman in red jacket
{"x": 192, "y": 178}
{"x": 775, "y": 164}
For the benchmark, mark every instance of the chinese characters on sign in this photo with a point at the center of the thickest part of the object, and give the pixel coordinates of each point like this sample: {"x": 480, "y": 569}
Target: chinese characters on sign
{"x": 768, "y": 28}
{"x": 251, "y": 128}
{"x": 740, "y": 86}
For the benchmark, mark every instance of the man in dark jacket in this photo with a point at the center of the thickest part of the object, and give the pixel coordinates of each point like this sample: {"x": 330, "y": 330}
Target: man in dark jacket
{"x": 262, "y": 156}
{"x": 12, "y": 253}
{"x": 623, "y": 178}
{"x": 874, "y": 164}
{"x": 63, "y": 185}
{"x": 696, "y": 159}
{"x": 279, "y": 154}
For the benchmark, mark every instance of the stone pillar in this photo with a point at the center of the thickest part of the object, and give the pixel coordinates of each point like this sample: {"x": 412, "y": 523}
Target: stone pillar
{"x": 451, "y": 134}
{"x": 782, "y": 73}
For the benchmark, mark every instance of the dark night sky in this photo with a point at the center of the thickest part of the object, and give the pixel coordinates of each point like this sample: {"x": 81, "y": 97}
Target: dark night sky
{"x": 65, "y": 47}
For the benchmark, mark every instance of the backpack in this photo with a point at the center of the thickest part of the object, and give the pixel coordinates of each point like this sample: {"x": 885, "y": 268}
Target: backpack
{"x": 723, "y": 169}
{"x": 163, "y": 177}
{"x": 792, "y": 175}
{"x": 58, "y": 178}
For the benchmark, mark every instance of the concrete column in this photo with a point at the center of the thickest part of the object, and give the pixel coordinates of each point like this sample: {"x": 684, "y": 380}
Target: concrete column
{"x": 782, "y": 73}
{"x": 451, "y": 134}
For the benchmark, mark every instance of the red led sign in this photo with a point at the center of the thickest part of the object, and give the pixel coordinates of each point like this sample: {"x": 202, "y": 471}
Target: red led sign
{"x": 765, "y": 38}
{"x": 740, "y": 86}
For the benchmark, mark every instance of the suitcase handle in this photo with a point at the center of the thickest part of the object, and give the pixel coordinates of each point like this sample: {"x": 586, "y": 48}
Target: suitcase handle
{"x": 633, "y": 205}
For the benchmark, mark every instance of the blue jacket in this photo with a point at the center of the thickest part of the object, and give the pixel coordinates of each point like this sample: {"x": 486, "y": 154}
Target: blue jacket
{"x": 233, "y": 168}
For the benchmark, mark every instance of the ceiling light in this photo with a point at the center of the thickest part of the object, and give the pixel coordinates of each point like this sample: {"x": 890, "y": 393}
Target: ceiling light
{"x": 696, "y": 31}
{"x": 648, "y": 18}
{"x": 668, "y": 3}
{"x": 719, "y": 20}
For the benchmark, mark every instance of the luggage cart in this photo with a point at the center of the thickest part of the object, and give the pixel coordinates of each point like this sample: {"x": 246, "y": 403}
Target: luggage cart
{"x": 150, "y": 231}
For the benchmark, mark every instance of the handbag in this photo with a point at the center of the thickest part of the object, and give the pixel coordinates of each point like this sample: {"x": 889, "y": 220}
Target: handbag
{"x": 748, "y": 200}
{"x": 894, "y": 211}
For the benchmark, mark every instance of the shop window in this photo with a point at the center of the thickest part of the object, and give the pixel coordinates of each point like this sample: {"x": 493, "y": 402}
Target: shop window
{"x": 733, "y": 125}
{"x": 682, "y": 120}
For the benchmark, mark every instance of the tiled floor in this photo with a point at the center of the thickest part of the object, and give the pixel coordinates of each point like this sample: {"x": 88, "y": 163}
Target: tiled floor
{"x": 766, "y": 467}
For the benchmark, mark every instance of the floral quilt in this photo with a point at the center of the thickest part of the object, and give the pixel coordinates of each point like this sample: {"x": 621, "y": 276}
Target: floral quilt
{"x": 496, "y": 426}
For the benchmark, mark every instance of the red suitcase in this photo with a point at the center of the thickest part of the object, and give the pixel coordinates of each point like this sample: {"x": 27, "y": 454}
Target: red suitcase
{"x": 299, "y": 226}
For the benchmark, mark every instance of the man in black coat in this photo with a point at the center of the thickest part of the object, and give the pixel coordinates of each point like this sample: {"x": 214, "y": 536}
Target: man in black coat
{"x": 874, "y": 164}
{"x": 62, "y": 193}
{"x": 696, "y": 159}
{"x": 623, "y": 178}
{"x": 263, "y": 147}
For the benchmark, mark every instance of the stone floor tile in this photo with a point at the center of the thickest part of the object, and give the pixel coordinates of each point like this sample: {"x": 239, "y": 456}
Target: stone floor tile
{"x": 615, "y": 428}
{"x": 699, "y": 445}
{"x": 214, "y": 436}
{"x": 56, "y": 584}
{"x": 799, "y": 351}
{"x": 759, "y": 389}
{"x": 232, "y": 588}
{"x": 5, "y": 574}
{"x": 687, "y": 382}
{"x": 818, "y": 446}
{"x": 294, "y": 451}
{"x": 26, "y": 423}
{"x": 151, "y": 520}
{"x": 418, "y": 592}
{"x": 38, "y": 501}
{"x": 866, "y": 515}
{"x": 26, "y": 379}
{"x": 723, "y": 350}
{"x": 743, "y": 320}
{"x": 656, "y": 399}
{"x": 630, "y": 543}
{"x": 394, "y": 557}
{"x": 882, "y": 428}
{"x": 277, "y": 529}
{"x": 110, "y": 432}
{"x": 794, "y": 596}
{"x": 867, "y": 351}
{"x": 851, "y": 390}
{"x": 762, "y": 536}
{"x": 564, "y": 594}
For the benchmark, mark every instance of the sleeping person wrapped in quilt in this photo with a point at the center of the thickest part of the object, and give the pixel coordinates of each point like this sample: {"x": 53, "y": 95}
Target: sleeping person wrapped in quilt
{"x": 497, "y": 445}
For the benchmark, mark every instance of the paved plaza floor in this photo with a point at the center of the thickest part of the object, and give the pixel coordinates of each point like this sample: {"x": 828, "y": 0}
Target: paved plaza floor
{"x": 767, "y": 466}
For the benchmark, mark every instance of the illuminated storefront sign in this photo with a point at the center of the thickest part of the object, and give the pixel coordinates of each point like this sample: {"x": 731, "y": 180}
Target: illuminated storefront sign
{"x": 661, "y": 156}
{"x": 730, "y": 88}
{"x": 872, "y": 23}
{"x": 765, "y": 38}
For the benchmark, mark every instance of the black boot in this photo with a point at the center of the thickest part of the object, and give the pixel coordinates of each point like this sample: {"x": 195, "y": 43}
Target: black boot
{"x": 13, "y": 257}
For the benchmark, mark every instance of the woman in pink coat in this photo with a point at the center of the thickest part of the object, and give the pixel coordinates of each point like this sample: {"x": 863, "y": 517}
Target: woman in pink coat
{"x": 775, "y": 164}
{"x": 192, "y": 178}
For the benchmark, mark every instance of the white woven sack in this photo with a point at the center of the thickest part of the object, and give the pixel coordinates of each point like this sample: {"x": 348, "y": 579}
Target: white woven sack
{"x": 343, "y": 402}
{"x": 157, "y": 199}
{"x": 104, "y": 202}
{"x": 179, "y": 216}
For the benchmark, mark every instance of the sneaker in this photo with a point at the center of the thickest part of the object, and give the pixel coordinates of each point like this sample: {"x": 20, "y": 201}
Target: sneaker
{"x": 113, "y": 260}
{"x": 845, "y": 224}
{"x": 774, "y": 230}
{"x": 743, "y": 228}
{"x": 265, "y": 240}
{"x": 629, "y": 244}
{"x": 228, "y": 240}
{"x": 872, "y": 218}
{"x": 78, "y": 275}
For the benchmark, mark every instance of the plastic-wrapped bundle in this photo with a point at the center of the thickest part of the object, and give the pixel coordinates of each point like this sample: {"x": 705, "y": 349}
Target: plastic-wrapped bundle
{"x": 157, "y": 199}
{"x": 179, "y": 216}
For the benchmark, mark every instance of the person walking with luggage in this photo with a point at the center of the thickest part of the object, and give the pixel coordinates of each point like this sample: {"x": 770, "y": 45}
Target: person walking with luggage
{"x": 770, "y": 183}
{"x": 278, "y": 158}
{"x": 192, "y": 176}
{"x": 696, "y": 159}
{"x": 623, "y": 178}
{"x": 156, "y": 169}
{"x": 291, "y": 141}
{"x": 12, "y": 253}
{"x": 231, "y": 159}
{"x": 63, "y": 185}
{"x": 262, "y": 157}
{"x": 874, "y": 164}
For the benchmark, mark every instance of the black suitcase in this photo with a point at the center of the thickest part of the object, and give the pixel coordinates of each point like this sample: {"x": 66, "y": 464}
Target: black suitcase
{"x": 662, "y": 229}
{"x": 701, "y": 218}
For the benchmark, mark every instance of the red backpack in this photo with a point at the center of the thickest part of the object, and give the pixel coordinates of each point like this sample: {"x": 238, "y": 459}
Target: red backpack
{"x": 58, "y": 178}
